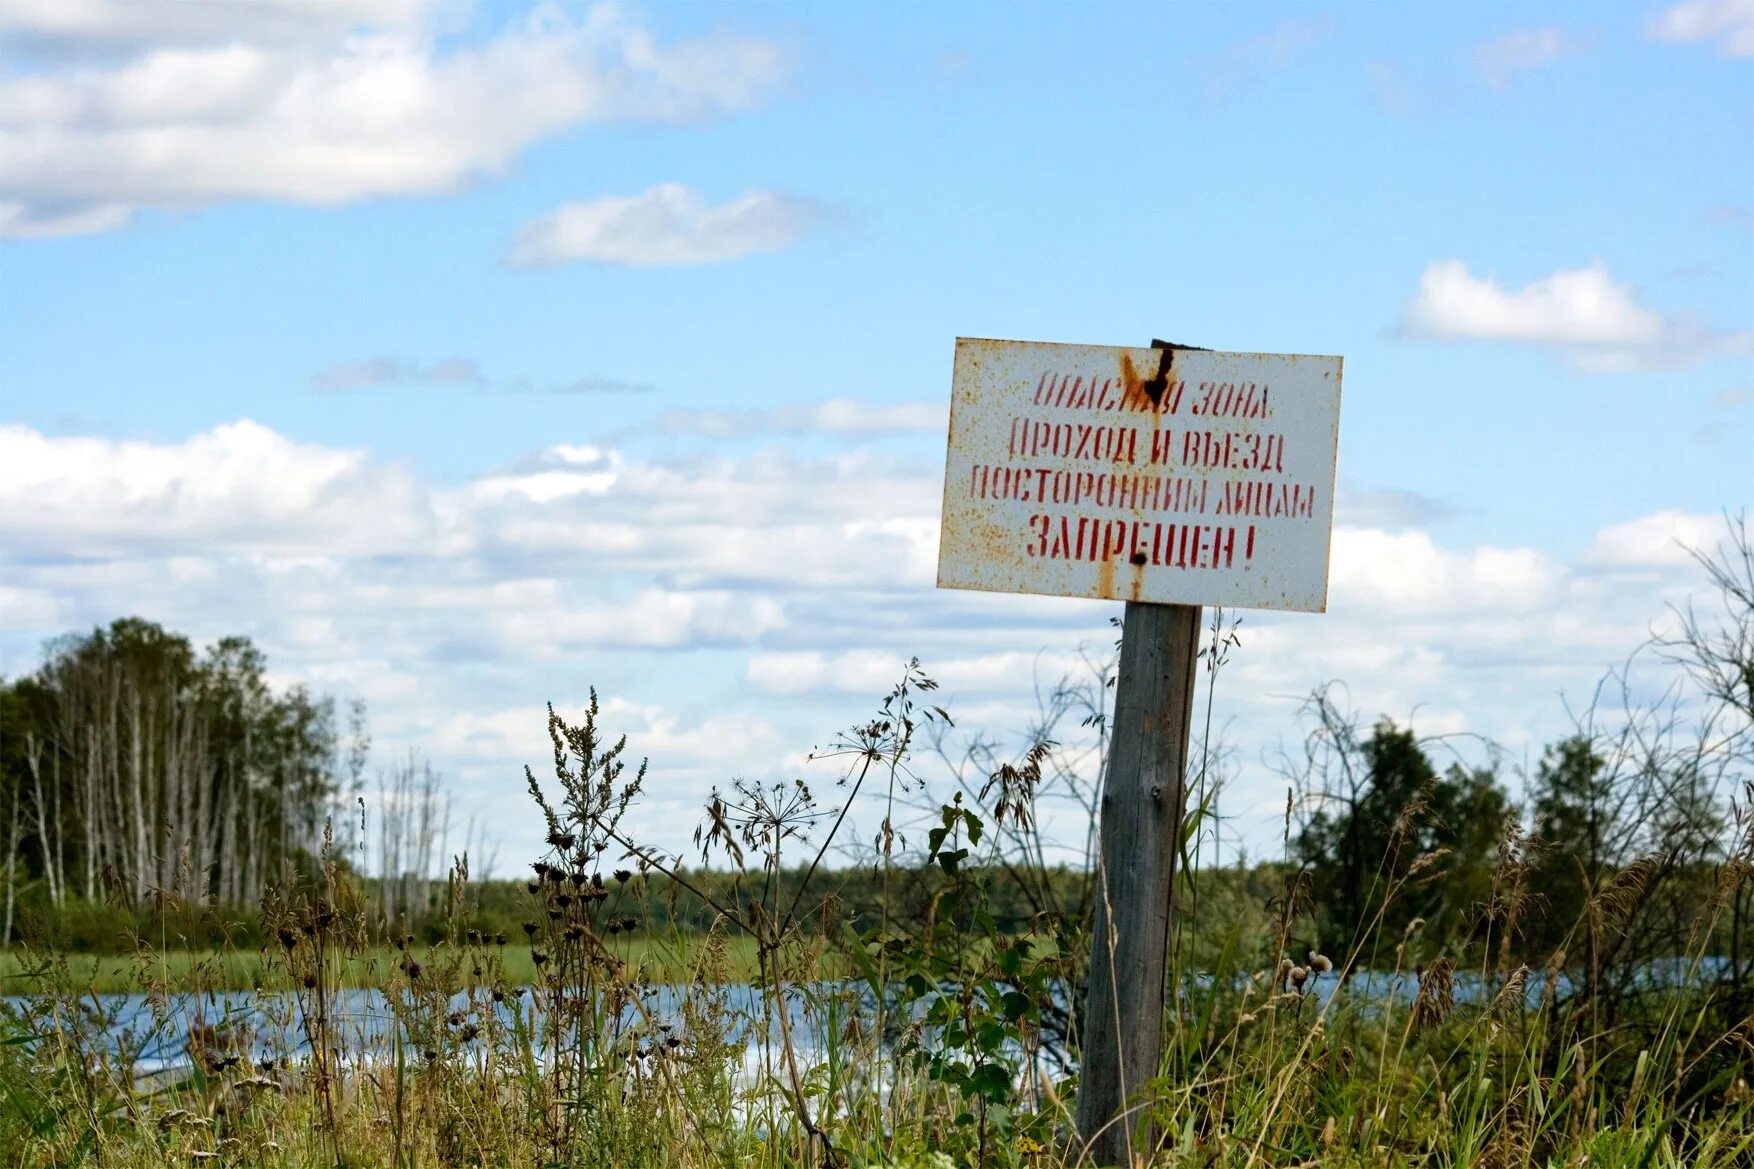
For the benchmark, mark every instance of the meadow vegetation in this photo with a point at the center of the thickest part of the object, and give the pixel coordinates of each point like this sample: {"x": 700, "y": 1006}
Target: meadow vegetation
{"x": 1434, "y": 973}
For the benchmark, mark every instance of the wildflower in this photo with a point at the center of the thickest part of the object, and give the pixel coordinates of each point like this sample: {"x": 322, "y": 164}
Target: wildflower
{"x": 1320, "y": 963}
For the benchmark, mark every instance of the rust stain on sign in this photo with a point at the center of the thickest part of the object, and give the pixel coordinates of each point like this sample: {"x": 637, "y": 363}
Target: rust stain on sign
{"x": 1207, "y": 476}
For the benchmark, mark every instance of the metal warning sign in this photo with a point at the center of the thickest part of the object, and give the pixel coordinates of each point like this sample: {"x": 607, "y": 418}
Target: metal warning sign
{"x": 1176, "y": 476}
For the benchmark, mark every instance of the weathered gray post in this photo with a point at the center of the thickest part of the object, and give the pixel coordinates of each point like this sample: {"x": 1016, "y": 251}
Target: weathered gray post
{"x": 1139, "y": 846}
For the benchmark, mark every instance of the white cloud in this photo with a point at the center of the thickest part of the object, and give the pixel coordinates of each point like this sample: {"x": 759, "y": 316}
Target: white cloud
{"x": 737, "y": 609}
{"x": 28, "y": 608}
{"x": 1596, "y": 322}
{"x": 670, "y": 224}
{"x": 237, "y": 486}
{"x": 1659, "y": 541}
{"x": 374, "y": 107}
{"x": 653, "y": 731}
{"x": 186, "y": 22}
{"x": 1410, "y": 573}
{"x": 1728, "y": 22}
{"x": 1499, "y": 60}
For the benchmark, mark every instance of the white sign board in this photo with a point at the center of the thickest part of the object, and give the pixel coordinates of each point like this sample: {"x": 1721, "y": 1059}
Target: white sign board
{"x": 1167, "y": 475}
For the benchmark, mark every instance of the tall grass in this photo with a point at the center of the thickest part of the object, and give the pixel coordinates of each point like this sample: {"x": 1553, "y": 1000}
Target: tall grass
{"x": 792, "y": 1036}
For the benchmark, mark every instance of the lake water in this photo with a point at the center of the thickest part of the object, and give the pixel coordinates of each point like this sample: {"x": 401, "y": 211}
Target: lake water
{"x": 153, "y": 1037}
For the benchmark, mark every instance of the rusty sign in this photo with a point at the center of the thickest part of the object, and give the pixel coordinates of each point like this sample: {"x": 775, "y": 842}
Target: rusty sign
{"x": 1175, "y": 476}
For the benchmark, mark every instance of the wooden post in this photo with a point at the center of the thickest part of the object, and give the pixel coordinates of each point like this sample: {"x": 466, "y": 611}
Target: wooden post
{"x": 1139, "y": 848}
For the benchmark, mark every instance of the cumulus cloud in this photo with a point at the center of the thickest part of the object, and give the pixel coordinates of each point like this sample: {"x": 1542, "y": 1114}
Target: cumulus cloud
{"x": 736, "y": 608}
{"x": 1665, "y": 539}
{"x": 670, "y": 224}
{"x": 1730, "y": 23}
{"x": 238, "y": 486}
{"x": 227, "y": 103}
{"x": 1595, "y": 321}
{"x": 1500, "y": 60}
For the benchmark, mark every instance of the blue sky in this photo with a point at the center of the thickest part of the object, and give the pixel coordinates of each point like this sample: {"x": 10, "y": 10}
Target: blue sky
{"x": 466, "y": 356}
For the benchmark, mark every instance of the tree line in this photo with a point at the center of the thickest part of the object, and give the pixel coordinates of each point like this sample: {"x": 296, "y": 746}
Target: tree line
{"x": 134, "y": 765}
